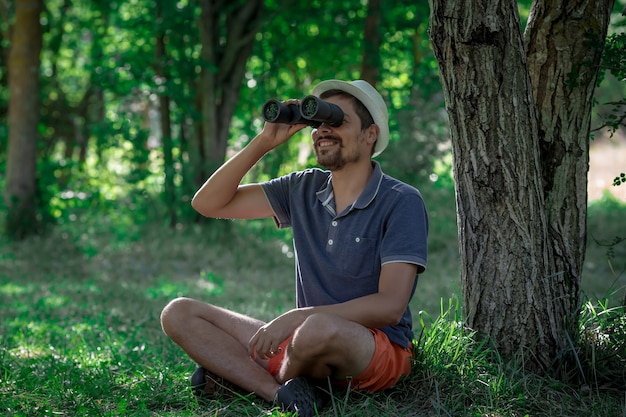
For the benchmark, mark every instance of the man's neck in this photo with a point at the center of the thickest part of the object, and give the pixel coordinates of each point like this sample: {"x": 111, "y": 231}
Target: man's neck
{"x": 349, "y": 182}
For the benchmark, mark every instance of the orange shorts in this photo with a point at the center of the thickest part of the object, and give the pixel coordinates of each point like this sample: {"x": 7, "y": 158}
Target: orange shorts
{"x": 389, "y": 363}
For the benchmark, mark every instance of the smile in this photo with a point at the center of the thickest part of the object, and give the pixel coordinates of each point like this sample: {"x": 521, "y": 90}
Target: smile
{"x": 326, "y": 142}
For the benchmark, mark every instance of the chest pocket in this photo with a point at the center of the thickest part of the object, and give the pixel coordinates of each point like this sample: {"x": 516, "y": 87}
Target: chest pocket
{"x": 358, "y": 256}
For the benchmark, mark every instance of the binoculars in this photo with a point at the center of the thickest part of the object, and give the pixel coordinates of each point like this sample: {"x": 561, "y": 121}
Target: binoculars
{"x": 312, "y": 111}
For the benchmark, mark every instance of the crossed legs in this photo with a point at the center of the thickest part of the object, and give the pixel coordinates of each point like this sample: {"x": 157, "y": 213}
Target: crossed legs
{"x": 217, "y": 339}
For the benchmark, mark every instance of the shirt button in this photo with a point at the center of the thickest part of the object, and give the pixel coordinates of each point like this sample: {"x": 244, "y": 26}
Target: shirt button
{"x": 357, "y": 240}
{"x": 330, "y": 242}
{"x": 334, "y": 223}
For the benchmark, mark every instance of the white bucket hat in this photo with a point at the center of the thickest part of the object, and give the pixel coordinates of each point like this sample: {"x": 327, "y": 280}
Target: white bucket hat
{"x": 371, "y": 99}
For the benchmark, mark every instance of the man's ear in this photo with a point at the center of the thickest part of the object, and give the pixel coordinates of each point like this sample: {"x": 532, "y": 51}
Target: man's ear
{"x": 371, "y": 133}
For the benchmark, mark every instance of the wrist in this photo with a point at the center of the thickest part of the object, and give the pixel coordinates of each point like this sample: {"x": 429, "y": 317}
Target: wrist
{"x": 303, "y": 313}
{"x": 260, "y": 144}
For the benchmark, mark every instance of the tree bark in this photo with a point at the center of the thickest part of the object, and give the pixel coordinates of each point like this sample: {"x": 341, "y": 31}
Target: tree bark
{"x": 24, "y": 108}
{"x": 502, "y": 226}
{"x": 520, "y": 124}
{"x": 564, "y": 41}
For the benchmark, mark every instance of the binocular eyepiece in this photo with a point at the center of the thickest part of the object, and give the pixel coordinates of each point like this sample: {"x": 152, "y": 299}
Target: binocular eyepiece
{"x": 312, "y": 111}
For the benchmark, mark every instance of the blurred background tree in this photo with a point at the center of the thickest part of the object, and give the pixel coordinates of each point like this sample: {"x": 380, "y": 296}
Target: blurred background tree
{"x": 23, "y": 119}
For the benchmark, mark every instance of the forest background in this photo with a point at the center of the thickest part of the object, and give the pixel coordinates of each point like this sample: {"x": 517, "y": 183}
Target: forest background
{"x": 124, "y": 140}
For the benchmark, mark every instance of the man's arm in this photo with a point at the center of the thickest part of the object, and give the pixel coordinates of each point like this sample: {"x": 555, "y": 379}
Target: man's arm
{"x": 222, "y": 195}
{"x": 384, "y": 308}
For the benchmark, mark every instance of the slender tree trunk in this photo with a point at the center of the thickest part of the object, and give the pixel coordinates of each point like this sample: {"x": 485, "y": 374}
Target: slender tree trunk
{"x": 166, "y": 129}
{"x": 564, "y": 41}
{"x": 97, "y": 108}
{"x": 24, "y": 108}
{"x": 227, "y": 33}
{"x": 370, "y": 66}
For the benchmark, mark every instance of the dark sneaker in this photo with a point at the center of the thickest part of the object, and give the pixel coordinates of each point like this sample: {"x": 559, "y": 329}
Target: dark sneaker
{"x": 207, "y": 386}
{"x": 302, "y": 396}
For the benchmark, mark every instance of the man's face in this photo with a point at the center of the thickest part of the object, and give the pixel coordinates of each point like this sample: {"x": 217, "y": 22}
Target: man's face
{"x": 337, "y": 146}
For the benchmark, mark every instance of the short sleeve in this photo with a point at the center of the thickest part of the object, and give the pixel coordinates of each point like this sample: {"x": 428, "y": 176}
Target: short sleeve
{"x": 405, "y": 238}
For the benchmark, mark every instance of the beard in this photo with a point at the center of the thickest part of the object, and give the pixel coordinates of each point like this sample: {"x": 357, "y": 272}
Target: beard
{"x": 336, "y": 158}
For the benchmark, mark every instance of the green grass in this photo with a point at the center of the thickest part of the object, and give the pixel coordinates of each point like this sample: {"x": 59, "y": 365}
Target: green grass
{"x": 80, "y": 333}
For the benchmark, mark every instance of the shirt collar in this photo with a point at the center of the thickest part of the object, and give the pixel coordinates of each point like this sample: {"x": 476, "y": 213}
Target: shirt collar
{"x": 325, "y": 193}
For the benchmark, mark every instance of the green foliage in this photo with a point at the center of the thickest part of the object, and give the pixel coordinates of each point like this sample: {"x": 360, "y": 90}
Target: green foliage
{"x": 614, "y": 61}
{"x": 612, "y": 112}
{"x": 99, "y": 91}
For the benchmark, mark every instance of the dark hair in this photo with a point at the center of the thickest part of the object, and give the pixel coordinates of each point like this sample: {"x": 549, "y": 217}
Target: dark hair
{"x": 359, "y": 108}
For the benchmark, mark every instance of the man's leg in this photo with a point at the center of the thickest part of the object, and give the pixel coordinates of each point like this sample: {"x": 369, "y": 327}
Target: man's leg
{"x": 325, "y": 346}
{"x": 217, "y": 339}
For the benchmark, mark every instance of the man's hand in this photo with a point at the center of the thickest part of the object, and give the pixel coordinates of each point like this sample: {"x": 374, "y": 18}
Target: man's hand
{"x": 275, "y": 134}
{"x": 264, "y": 344}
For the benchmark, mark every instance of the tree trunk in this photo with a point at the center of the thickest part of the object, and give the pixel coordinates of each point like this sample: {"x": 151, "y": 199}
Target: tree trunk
{"x": 564, "y": 41}
{"x": 97, "y": 108}
{"x": 166, "y": 127}
{"x": 227, "y": 33}
{"x": 520, "y": 128}
{"x": 24, "y": 103}
{"x": 370, "y": 66}
{"x": 505, "y": 258}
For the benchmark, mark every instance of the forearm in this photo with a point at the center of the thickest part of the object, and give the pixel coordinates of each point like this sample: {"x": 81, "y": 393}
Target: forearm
{"x": 222, "y": 186}
{"x": 369, "y": 311}
{"x": 373, "y": 311}
{"x": 383, "y": 308}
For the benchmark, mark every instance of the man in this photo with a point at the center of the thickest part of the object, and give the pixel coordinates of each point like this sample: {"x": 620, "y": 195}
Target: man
{"x": 360, "y": 241}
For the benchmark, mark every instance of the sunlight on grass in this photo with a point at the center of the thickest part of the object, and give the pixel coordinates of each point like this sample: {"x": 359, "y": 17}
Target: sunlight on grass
{"x": 29, "y": 352}
{"x": 11, "y": 288}
{"x": 53, "y": 301}
{"x": 207, "y": 284}
{"x": 210, "y": 283}
{"x": 166, "y": 289}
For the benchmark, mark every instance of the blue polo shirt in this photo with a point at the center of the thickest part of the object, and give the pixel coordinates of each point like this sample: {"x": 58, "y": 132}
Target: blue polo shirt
{"x": 339, "y": 255}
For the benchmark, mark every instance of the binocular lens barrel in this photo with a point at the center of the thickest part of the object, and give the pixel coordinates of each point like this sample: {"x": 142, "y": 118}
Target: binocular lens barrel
{"x": 276, "y": 112}
{"x": 312, "y": 111}
{"x": 314, "y": 108}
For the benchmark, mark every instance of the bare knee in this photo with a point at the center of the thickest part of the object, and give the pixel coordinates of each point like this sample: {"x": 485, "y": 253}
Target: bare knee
{"x": 175, "y": 314}
{"x": 315, "y": 336}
